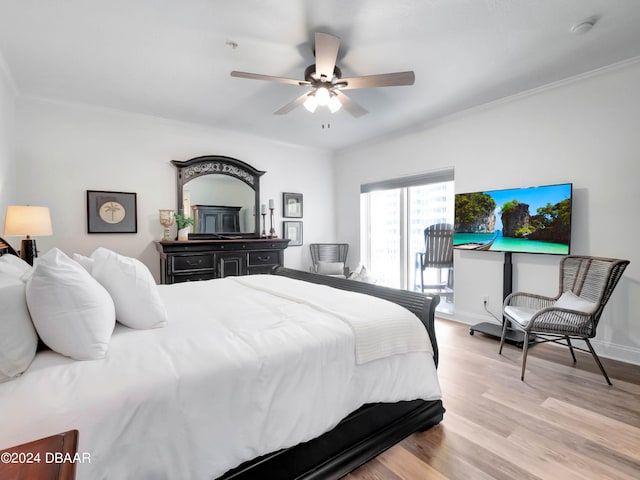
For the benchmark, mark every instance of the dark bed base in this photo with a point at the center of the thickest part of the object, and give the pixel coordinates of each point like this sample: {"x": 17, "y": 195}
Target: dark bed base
{"x": 366, "y": 432}
{"x": 361, "y": 436}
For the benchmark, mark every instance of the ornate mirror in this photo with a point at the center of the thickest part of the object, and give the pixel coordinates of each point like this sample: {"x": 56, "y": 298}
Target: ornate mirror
{"x": 221, "y": 194}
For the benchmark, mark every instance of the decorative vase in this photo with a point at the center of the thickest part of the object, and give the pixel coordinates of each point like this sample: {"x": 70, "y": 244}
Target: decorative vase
{"x": 183, "y": 234}
{"x": 166, "y": 220}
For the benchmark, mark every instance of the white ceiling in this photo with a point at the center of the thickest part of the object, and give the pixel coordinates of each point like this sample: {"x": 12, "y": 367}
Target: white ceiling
{"x": 172, "y": 58}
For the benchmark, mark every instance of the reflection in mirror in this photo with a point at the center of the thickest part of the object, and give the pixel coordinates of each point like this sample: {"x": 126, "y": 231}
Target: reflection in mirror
{"x": 222, "y": 194}
{"x": 203, "y": 193}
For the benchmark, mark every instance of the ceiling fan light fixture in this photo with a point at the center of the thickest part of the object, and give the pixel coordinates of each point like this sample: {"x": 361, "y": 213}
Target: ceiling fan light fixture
{"x": 322, "y": 96}
{"x": 311, "y": 103}
{"x": 334, "y": 104}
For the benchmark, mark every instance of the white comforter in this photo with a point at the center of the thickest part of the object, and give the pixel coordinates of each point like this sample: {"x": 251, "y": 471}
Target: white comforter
{"x": 237, "y": 373}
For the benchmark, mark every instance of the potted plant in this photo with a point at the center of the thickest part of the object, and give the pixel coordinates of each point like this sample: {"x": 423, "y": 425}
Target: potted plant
{"x": 183, "y": 223}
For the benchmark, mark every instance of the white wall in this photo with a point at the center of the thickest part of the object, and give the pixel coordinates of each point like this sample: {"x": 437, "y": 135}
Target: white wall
{"x": 583, "y": 131}
{"x": 65, "y": 149}
{"x": 7, "y": 142}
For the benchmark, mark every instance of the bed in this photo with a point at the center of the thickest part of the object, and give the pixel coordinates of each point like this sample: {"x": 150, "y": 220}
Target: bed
{"x": 264, "y": 376}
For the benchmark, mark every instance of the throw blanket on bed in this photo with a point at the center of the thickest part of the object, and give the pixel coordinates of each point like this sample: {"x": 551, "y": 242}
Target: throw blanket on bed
{"x": 380, "y": 328}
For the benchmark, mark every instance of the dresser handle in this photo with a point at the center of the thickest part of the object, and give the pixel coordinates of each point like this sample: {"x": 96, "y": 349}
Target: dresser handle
{"x": 194, "y": 263}
{"x": 264, "y": 259}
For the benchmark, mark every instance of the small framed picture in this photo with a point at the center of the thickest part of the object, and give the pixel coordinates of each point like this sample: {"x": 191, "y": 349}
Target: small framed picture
{"x": 292, "y": 231}
{"x": 111, "y": 212}
{"x": 292, "y": 205}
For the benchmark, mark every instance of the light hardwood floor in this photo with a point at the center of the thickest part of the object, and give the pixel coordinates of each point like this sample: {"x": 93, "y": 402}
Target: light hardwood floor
{"x": 563, "y": 422}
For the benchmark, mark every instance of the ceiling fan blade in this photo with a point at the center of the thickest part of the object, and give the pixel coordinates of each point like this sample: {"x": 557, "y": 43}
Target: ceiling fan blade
{"x": 350, "y": 106}
{"x": 257, "y": 76}
{"x": 326, "y": 54}
{"x": 383, "y": 80}
{"x": 293, "y": 104}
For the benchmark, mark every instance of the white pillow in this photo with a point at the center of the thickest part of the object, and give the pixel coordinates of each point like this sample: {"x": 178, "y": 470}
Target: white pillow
{"x": 571, "y": 301}
{"x": 13, "y": 266}
{"x": 330, "y": 268}
{"x": 18, "y": 338}
{"x": 132, "y": 287}
{"x": 86, "y": 262}
{"x": 362, "y": 275}
{"x": 73, "y": 314}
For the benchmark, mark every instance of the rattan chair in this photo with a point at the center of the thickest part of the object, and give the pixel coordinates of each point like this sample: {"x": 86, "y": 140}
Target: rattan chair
{"x": 329, "y": 259}
{"x": 586, "y": 284}
{"x": 438, "y": 254}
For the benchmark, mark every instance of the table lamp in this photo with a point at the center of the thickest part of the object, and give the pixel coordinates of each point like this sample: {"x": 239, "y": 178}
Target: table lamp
{"x": 27, "y": 220}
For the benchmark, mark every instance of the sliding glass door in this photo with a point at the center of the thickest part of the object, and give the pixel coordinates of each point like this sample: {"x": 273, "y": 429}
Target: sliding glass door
{"x": 427, "y": 205}
{"x": 393, "y": 226}
{"x": 385, "y": 239}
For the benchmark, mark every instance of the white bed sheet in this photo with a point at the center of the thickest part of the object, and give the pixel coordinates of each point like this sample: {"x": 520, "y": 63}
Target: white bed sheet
{"x": 236, "y": 373}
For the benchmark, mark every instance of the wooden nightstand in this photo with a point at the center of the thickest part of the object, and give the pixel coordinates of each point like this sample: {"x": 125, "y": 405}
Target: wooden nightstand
{"x": 39, "y": 459}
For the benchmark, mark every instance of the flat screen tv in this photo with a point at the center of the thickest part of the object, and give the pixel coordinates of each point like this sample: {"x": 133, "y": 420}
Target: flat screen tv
{"x": 519, "y": 220}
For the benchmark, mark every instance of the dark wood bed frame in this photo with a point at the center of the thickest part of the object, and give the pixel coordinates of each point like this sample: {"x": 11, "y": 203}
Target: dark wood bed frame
{"x": 366, "y": 432}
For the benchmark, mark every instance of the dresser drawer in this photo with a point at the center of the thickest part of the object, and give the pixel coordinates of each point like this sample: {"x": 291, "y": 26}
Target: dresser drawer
{"x": 192, "y": 262}
{"x": 193, "y": 277}
{"x": 263, "y": 258}
{"x": 263, "y": 269}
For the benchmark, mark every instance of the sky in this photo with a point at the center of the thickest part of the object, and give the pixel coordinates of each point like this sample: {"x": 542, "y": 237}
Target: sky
{"x": 535, "y": 197}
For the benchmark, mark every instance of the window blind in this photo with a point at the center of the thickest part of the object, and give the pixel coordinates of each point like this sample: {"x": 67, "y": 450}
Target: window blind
{"x": 445, "y": 175}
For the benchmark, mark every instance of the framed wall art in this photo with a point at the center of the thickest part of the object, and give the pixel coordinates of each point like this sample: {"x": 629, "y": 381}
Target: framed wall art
{"x": 292, "y": 231}
{"x": 111, "y": 212}
{"x": 292, "y": 205}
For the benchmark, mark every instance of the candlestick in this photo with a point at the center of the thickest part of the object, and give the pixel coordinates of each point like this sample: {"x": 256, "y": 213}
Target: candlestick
{"x": 264, "y": 223}
{"x": 272, "y": 231}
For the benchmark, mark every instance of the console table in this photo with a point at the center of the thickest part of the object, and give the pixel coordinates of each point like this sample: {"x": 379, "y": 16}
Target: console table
{"x": 185, "y": 261}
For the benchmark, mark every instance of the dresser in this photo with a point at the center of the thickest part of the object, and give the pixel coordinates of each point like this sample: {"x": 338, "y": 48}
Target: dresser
{"x": 192, "y": 260}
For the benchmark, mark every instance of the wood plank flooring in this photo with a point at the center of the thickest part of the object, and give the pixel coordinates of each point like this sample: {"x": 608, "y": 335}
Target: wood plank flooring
{"x": 563, "y": 422}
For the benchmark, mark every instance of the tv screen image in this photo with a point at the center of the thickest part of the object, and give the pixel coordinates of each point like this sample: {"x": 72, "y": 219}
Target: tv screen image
{"x": 519, "y": 220}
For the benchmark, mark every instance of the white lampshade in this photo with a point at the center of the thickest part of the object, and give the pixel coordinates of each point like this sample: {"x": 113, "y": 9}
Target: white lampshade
{"x": 311, "y": 103}
{"x": 322, "y": 96}
{"x": 334, "y": 104}
{"x": 27, "y": 220}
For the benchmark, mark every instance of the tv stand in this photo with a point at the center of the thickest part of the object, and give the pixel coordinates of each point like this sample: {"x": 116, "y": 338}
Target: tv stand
{"x": 493, "y": 330}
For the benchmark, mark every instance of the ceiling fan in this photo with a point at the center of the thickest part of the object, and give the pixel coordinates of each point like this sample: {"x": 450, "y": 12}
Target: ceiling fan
{"x": 325, "y": 83}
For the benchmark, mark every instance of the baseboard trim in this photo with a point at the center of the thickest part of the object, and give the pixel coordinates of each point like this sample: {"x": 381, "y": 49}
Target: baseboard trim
{"x": 613, "y": 351}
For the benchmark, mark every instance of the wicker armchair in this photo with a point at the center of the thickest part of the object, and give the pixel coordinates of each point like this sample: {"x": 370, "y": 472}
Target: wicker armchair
{"x": 586, "y": 284}
{"x": 330, "y": 259}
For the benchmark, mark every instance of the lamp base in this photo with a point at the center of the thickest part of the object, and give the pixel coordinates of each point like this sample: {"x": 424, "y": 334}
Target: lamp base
{"x": 28, "y": 250}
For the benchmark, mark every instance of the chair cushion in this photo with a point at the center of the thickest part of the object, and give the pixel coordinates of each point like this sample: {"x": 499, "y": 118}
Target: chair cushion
{"x": 520, "y": 315}
{"x": 330, "y": 268}
{"x": 571, "y": 301}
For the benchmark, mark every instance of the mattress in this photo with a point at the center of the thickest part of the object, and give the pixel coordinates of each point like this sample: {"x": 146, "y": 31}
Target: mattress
{"x": 244, "y": 367}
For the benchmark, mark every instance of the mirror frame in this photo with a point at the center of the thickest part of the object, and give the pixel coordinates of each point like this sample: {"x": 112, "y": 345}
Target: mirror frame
{"x": 219, "y": 165}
